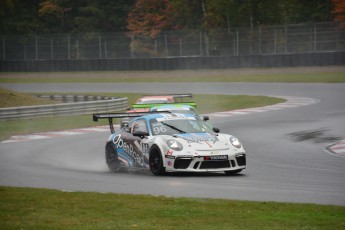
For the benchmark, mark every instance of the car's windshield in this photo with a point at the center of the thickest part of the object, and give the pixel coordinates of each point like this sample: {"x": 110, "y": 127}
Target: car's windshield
{"x": 152, "y": 101}
{"x": 174, "y": 110}
{"x": 171, "y": 127}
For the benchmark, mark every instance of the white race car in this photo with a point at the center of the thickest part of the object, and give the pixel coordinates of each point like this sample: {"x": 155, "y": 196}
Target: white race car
{"x": 171, "y": 142}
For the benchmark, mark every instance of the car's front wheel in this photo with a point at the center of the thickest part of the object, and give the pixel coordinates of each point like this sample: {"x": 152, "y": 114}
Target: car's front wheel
{"x": 156, "y": 162}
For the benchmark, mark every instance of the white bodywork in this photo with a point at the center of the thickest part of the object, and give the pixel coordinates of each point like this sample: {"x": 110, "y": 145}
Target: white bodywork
{"x": 208, "y": 147}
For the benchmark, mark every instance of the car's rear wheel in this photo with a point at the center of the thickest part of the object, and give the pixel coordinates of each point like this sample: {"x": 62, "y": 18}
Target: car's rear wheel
{"x": 233, "y": 172}
{"x": 111, "y": 158}
{"x": 156, "y": 162}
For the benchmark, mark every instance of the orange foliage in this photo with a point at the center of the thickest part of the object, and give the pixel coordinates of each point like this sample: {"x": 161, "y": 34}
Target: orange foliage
{"x": 49, "y": 7}
{"x": 150, "y": 17}
{"x": 146, "y": 21}
{"x": 339, "y": 11}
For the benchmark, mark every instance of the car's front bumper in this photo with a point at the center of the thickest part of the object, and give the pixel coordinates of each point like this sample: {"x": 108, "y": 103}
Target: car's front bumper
{"x": 200, "y": 164}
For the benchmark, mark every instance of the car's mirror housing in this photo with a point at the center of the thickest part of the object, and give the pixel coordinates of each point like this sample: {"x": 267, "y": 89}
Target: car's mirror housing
{"x": 205, "y": 118}
{"x": 216, "y": 130}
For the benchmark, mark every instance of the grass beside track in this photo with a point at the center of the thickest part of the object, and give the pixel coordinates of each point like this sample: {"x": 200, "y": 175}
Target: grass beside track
{"x": 328, "y": 74}
{"x": 28, "y": 208}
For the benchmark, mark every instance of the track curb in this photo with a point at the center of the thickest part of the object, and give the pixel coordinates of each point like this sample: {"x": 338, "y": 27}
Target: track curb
{"x": 336, "y": 148}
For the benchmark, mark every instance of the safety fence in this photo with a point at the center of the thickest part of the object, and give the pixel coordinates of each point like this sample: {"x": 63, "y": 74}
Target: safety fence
{"x": 262, "y": 40}
{"x": 77, "y": 108}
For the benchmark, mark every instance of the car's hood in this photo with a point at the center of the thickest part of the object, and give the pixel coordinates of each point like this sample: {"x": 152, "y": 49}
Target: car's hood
{"x": 205, "y": 141}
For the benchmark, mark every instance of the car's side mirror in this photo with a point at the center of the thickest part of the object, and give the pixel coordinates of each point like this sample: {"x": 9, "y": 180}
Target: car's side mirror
{"x": 216, "y": 130}
{"x": 140, "y": 134}
{"x": 205, "y": 118}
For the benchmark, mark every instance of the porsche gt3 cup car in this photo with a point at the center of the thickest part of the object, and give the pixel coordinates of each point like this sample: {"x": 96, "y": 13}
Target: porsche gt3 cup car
{"x": 171, "y": 142}
{"x": 145, "y": 103}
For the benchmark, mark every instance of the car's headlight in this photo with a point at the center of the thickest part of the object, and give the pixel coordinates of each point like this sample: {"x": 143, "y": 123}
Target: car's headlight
{"x": 235, "y": 142}
{"x": 174, "y": 145}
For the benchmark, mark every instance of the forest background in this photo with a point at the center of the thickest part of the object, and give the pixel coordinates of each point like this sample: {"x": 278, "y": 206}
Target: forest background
{"x": 150, "y": 17}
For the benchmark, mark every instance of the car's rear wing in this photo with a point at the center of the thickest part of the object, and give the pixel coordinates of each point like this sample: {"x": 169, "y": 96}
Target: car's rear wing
{"x": 111, "y": 116}
{"x": 98, "y": 116}
{"x": 147, "y": 106}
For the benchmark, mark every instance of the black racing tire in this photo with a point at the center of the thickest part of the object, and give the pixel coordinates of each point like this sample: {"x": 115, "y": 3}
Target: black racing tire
{"x": 111, "y": 158}
{"x": 156, "y": 162}
{"x": 233, "y": 172}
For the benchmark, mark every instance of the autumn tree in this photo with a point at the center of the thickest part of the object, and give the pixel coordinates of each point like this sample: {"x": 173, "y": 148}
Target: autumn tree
{"x": 147, "y": 20}
{"x": 51, "y": 14}
{"x": 151, "y": 17}
{"x": 339, "y": 11}
{"x": 189, "y": 14}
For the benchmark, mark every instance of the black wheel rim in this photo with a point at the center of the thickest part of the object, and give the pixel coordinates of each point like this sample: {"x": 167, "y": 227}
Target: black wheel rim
{"x": 155, "y": 163}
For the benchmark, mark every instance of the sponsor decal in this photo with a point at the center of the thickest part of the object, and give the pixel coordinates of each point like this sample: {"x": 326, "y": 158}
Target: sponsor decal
{"x": 177, "y": 117}
{"x": 216, "y": 158}
{"x": 201, "y": 137}
{"x": 145, "y": 148}
{"x": 185, "y": 156}
{"x": 170, "y": 152}
{"x": 123, "y": 146}
{"x": 169, "y": 163}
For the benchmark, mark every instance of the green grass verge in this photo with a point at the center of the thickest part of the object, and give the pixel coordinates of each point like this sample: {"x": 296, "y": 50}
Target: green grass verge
{"x": 177, "y": 76}
{"x": 28, "y": 208}
{"x": 10, "y": 98}
{"x": 205, "y": 104}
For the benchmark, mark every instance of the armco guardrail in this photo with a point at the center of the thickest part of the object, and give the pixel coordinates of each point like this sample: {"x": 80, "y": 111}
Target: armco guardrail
{"x": 77, "y": 108}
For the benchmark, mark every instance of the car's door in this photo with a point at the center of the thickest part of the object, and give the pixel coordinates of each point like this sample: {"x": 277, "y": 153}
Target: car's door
{"x": 134, "y": 149}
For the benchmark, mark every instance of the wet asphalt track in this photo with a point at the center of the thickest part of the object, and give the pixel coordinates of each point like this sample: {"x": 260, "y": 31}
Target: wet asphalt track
{"x": 281, "y": 166}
